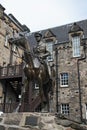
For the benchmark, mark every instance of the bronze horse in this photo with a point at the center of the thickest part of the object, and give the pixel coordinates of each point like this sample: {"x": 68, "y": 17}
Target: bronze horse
{"x": 32, "y": 73}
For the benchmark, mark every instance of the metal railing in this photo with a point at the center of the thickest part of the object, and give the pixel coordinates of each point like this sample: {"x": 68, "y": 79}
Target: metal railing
{"x": 9, "y": 107}
{"x": 11, "y": 70}
{"x": 12, "y": 107}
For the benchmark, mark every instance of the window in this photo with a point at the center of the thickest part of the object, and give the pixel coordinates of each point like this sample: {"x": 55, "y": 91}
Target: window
{"x": 50, "y": 49}
{"x": 36, "y": 86}
{"x": 6, "y": 40}
{"x": 65, "y": 109}
{"x": 76, "y": 46}
{"x": 86, "y": 110}
{"x": 14, "y": 48}
{"x": 4, "y": 71}
{"x": 64, "y": 79}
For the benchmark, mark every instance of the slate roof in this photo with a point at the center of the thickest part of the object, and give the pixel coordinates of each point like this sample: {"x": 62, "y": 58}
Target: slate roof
{"x": 61, "y": 32}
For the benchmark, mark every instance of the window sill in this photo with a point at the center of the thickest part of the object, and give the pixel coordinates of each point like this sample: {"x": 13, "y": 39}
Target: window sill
{"x": 64, "y": 86}
{"x": 75, "y": 57}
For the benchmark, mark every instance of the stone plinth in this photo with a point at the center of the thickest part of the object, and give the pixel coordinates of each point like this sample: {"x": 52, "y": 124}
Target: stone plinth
{"x": 33, "y": 121}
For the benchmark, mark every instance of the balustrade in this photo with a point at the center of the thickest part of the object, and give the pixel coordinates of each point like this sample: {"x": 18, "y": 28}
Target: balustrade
{"x": 9, "y": 71}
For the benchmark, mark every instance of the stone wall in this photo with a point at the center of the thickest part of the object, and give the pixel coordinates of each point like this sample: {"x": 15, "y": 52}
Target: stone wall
{"x": 8, "y": 28}
{"x": 70, "y": 94}
{"x": 33, "y": 121}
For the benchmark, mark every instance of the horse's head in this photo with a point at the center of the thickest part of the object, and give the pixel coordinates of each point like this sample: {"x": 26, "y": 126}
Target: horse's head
{"x": 20, "y": 40}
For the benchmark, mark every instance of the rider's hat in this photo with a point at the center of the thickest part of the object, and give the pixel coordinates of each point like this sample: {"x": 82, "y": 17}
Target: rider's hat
{"x": 38, "y": 34}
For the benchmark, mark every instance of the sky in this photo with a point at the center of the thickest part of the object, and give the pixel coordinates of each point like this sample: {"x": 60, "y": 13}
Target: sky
{"x": 44, "y": 14}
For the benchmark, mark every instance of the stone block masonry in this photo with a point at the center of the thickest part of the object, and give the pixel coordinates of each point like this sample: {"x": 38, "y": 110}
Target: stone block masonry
{"x": 32, "y": 121}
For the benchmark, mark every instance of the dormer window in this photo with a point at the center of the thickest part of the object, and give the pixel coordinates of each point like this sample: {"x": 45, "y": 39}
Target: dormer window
{"x": 76, "y": 46}
{"x": 6, "y": 40}
{"x": 49, "y": 38}
{"x": 14, "y": 48}
{"x": 75, "y": 33}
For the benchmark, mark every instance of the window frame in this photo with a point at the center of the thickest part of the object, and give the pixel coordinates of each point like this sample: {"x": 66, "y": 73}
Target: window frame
{"x": 14, "y": 48}
{"x": 64, "y": 79}
{"x": 6, "y": 44}
{"x": 86, "y": 110}
{"x": 65, "y": 108}
{"x": 36, "y": 86}
{"x": 76, "y": 46}
{"x": 49, "y": 47}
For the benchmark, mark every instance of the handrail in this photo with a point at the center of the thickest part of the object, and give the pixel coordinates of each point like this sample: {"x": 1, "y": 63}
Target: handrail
{"x": 11, "y": 70}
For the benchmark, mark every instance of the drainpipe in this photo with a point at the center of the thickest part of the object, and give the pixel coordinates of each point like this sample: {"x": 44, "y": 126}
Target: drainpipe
{"x": 56, "y": 52}
{"x": 79, "y": 86}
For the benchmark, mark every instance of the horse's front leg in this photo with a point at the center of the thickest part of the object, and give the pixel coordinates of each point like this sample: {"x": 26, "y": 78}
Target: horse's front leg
{"x": 41, "y": 92}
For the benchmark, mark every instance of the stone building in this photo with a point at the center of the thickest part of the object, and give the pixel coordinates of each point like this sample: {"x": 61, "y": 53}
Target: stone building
{"x": 11, "y": 68}
{"x": 10, "y": 61}
{"x": 69, "y": 51}
{"x": 71, "y": 66}
{"x": 68, "y": 47}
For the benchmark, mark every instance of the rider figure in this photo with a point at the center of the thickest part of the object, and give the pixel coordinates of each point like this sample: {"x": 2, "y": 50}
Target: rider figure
{"x": 40, "y": 50}
{"x": 42, "y": 53}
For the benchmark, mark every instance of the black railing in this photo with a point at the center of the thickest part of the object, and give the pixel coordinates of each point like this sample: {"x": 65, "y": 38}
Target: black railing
{"x": 12, "y": 107}
{"x": 9, "y": 71}
{"x": 9, "y": 107}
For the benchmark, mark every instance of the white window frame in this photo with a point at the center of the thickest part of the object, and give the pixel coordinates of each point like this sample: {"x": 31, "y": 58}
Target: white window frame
{"x": 86, "y": 110}
{"x": 4, "y": 71}
{"x": 65, "y": 109}
{"x": 76, "y": 46}
{"x": 6, "y": 40}
{"x": 14, "y": 48}
{"x": 64, "y": 79}
{"x": 49, "y": 47}
{"x": 36, "y": 86}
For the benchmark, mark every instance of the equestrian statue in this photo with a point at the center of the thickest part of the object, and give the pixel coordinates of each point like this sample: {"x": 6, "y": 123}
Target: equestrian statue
{"x": 36, "y": 68}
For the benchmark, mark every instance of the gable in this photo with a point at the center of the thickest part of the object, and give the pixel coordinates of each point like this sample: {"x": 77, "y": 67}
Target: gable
{"x": 49, "y": 34}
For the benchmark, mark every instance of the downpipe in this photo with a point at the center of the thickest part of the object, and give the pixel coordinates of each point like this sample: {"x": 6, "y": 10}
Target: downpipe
{"x": 56, "y": 79}
{"x": 79, "y": 85}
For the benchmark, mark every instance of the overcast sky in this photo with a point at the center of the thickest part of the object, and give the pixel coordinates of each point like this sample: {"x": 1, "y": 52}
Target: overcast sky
{"x": 44, "y": 14}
